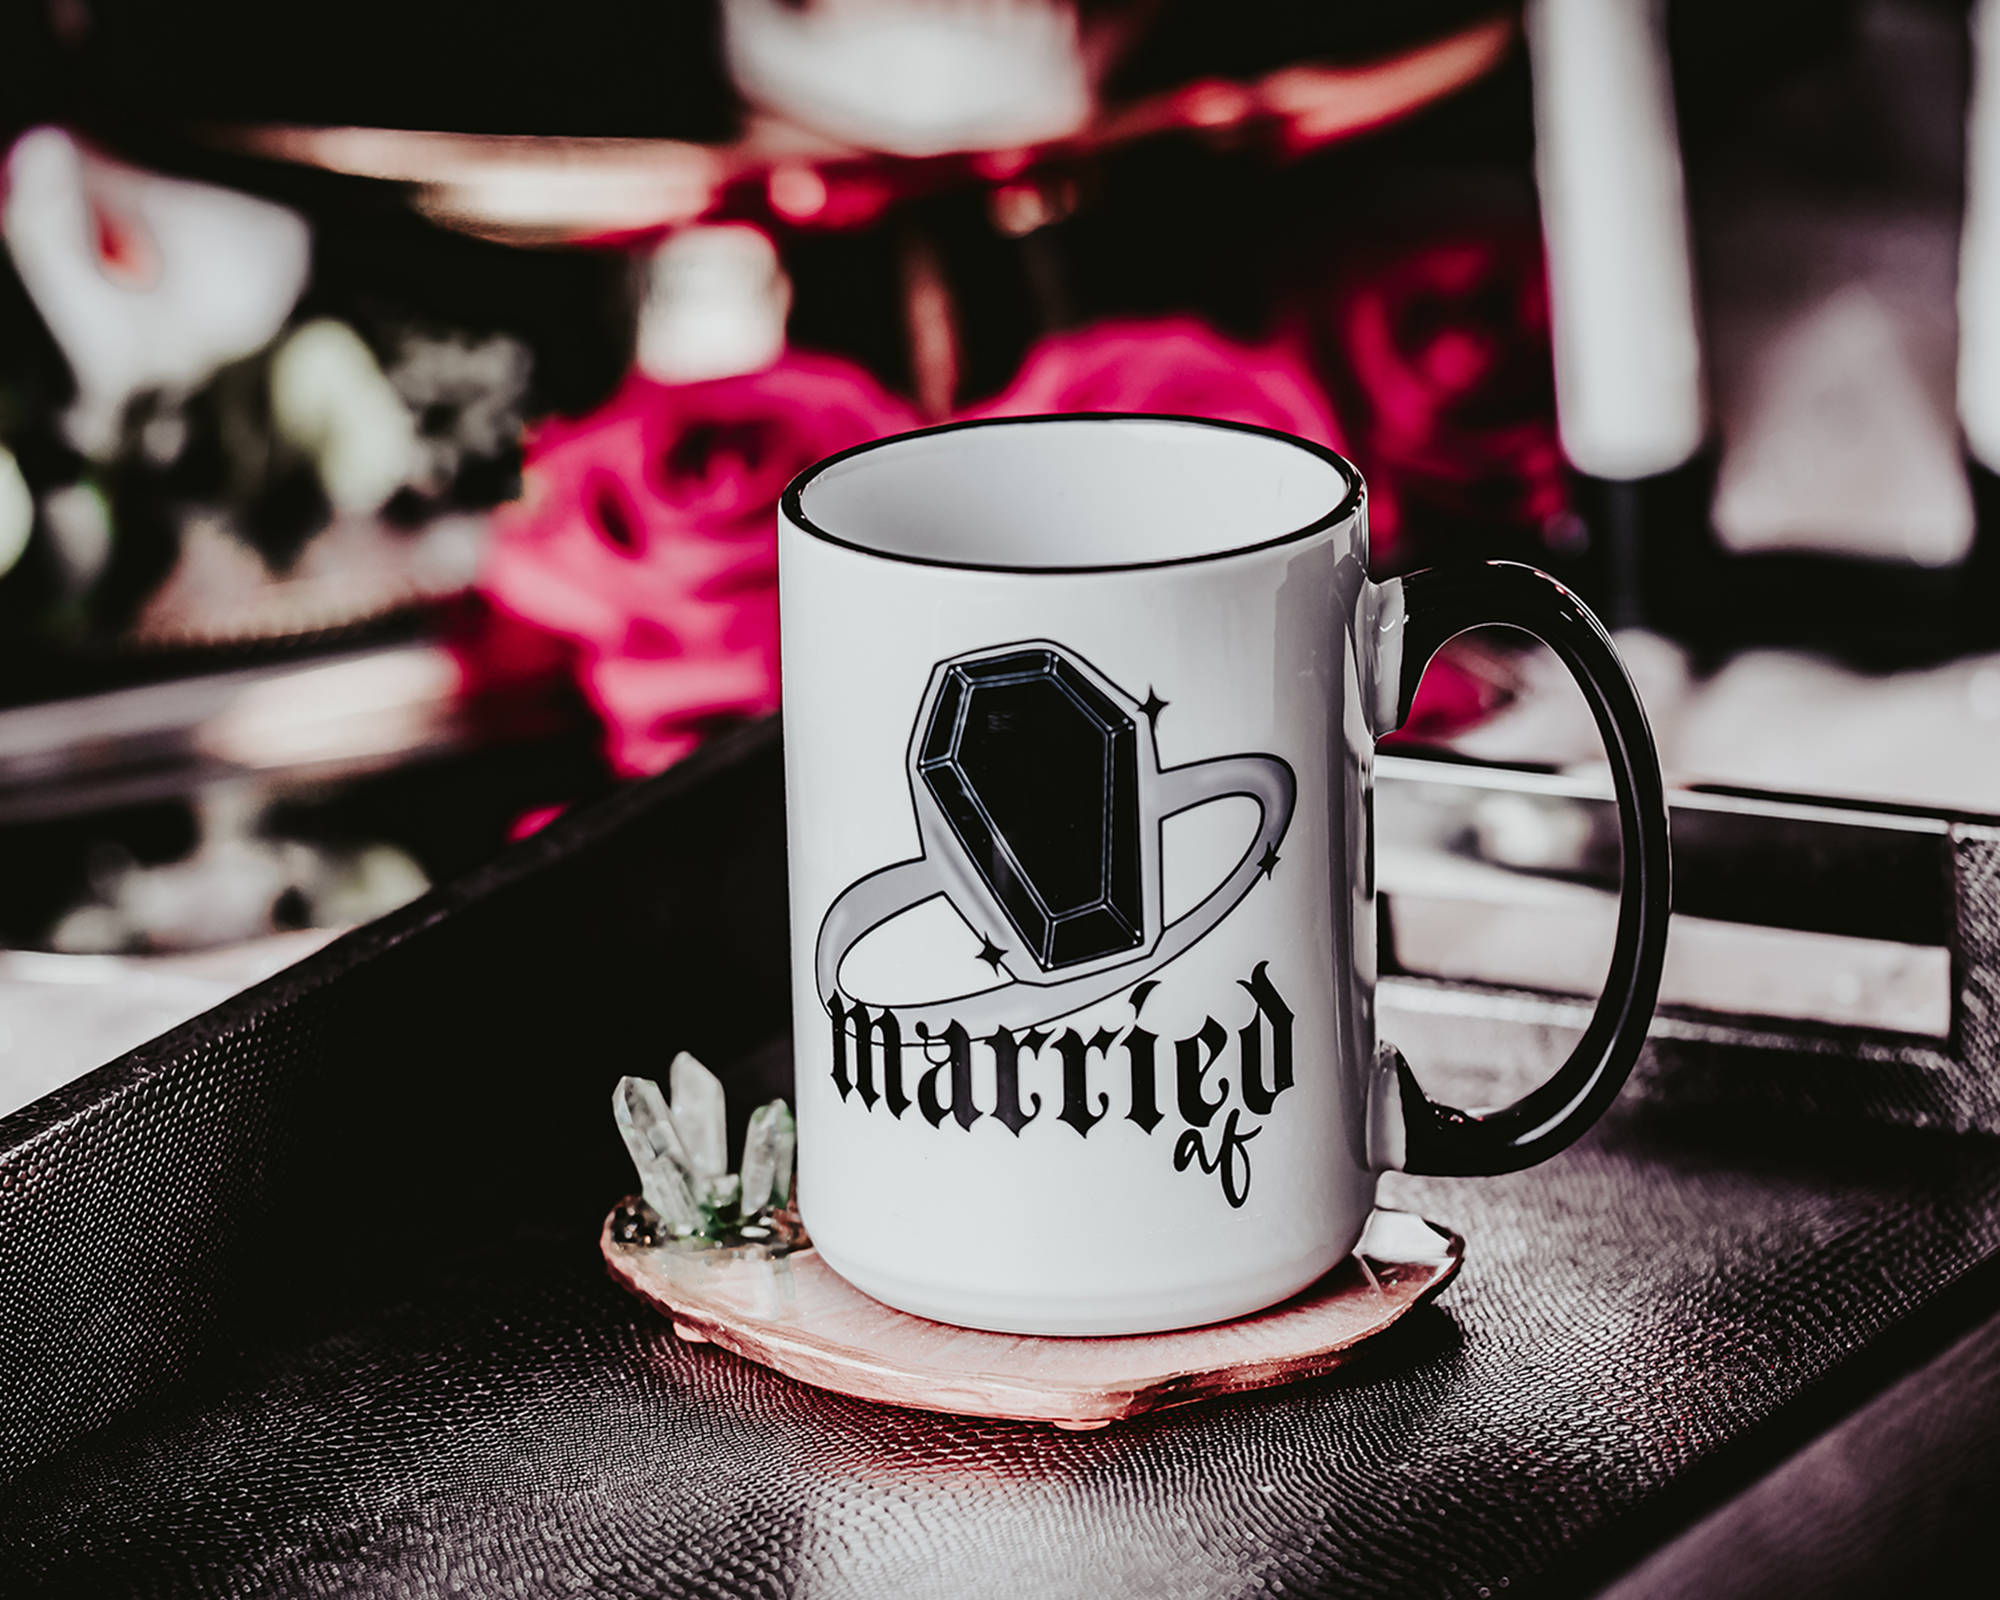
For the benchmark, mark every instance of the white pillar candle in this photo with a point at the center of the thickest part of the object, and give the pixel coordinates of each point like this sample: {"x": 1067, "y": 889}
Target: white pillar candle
{"x": 1614, "y": 219}
{"x": 1979, "y": 248}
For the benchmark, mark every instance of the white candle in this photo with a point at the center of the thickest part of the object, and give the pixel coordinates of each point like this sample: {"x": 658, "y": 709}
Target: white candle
{"x": 1979, "y": 248}
{"x": 1629, "y": 400}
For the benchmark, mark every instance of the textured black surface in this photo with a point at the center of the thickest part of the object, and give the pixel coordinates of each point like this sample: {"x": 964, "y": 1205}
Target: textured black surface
{"x": 311, "y": 1369}
{"x": 455, "y": 1058}
{"x": 517, "y": 1426}
{"x": 1896, "y": 1500}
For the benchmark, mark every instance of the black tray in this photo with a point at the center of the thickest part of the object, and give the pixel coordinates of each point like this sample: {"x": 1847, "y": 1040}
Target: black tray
{"x": 304, "y": 1297}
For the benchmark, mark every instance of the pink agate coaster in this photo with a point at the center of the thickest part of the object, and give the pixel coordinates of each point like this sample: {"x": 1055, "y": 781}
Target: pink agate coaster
{"x": 796, "y": 1314}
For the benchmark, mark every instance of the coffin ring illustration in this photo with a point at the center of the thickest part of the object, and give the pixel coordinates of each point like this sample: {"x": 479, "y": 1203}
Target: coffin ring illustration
{"x": 1039, "y": 798}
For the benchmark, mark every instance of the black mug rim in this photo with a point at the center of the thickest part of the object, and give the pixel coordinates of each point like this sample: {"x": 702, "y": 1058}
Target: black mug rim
{"x": 792, "y": 507}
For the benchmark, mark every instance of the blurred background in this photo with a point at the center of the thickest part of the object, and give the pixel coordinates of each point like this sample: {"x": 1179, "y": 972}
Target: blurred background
{"x": 394, "y": 400}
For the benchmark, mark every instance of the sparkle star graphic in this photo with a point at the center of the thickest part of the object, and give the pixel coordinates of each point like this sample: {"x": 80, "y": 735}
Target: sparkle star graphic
{"x": 1268, "y": 860}
{"x": 990, "y": 953}
{"x": 1154, "y": 705}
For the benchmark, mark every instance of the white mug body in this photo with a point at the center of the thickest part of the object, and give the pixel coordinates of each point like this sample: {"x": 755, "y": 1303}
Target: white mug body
{"x": 1077, "y": 759}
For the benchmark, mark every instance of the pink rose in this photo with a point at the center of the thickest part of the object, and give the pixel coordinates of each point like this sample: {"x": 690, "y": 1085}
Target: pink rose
{"x": 647, "y": 533}
{"x": 647, "y": 530}
{"x": 1446, "y": 346}
{"x": 1176, "y": 365}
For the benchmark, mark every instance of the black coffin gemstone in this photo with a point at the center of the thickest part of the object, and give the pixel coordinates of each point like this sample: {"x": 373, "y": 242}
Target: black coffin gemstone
{"x": 1037, "y": 771}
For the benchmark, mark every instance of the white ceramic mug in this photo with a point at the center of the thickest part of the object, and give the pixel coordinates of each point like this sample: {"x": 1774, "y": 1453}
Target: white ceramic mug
{"x": 1079, "y": 720}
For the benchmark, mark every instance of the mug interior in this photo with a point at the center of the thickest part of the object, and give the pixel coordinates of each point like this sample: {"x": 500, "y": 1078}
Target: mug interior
{"x": 1062, "y": 493}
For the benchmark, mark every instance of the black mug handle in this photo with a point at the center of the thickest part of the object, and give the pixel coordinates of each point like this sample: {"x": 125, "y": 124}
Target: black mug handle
{"x": 1436, "y": 605}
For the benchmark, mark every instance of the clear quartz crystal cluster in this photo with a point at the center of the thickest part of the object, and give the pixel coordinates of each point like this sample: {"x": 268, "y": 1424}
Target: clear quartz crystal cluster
{"x": 691, "y": 1198}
